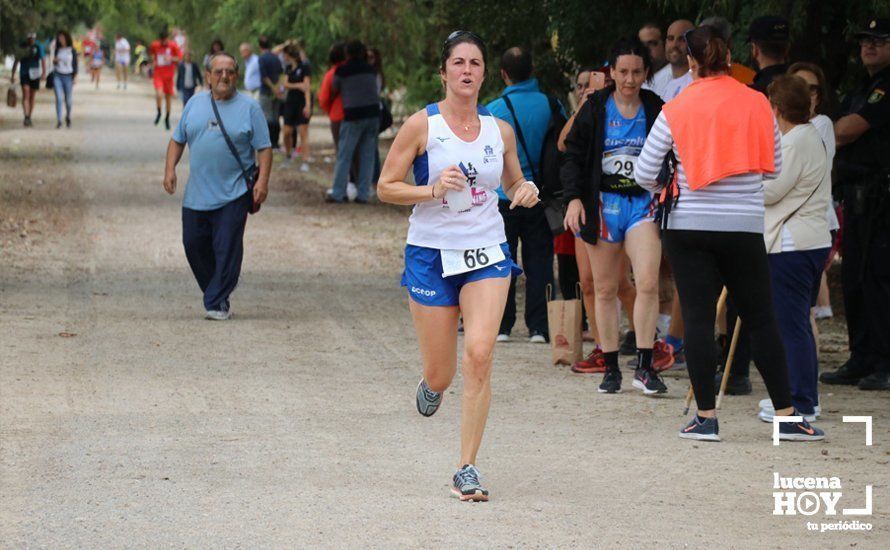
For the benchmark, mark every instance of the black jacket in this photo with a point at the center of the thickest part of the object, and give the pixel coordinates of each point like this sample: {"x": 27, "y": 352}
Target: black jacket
{"x": 582, "y": 169}
{"x": 196, "y": 73}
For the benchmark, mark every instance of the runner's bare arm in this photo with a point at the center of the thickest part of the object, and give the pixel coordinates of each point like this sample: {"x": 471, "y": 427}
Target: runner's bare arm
{"x": 409, "y": 144}
{"x": 520, "y": 191}
{"x": 174, "y": 153}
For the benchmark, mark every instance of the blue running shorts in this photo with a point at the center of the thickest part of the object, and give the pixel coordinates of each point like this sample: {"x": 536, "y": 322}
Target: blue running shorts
{"x": 621, "y": 213}
{"x": 427, "y": 287}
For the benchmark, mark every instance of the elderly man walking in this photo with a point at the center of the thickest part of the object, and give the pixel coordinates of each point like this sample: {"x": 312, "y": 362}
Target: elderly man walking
{"x": 216, "y": 125}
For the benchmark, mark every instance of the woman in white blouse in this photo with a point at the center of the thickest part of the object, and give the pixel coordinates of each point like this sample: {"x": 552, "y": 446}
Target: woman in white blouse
{"x": 64, "y": 74}
{"x": 797, "y": 236}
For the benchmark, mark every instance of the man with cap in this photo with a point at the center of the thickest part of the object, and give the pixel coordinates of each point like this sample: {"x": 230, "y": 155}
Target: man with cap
{"x": 770, "y": 37}
{"x": 863, "y": 179}
{"x": 33, "y": 70}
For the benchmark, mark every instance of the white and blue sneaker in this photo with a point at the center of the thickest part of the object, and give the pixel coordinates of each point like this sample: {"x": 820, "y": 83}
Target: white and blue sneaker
{"x": 701, "y": 429}
{"x": 466, "y": 485}
{"x": 428, "y": 401}
{"x": 767, "y": 412}
{"x": 799, "y": 431}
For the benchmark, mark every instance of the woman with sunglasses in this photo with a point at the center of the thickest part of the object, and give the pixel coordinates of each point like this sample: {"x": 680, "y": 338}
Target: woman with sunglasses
{"x": 726, "y": 143}
{"x": 457, "y": 262}
{"x": 612, "y": 213}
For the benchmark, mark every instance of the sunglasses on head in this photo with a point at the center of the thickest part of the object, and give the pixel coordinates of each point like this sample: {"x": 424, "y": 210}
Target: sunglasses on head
{"x": 458, "y": 34}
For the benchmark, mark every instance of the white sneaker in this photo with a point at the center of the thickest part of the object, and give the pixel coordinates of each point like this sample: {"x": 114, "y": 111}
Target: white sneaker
{"x": 503, "y": 338}
{"x": 766, "y": 414}
{"x": 537, "y": 339}
{"x": 218, "y": 315}
{"x": 304, "y": 167}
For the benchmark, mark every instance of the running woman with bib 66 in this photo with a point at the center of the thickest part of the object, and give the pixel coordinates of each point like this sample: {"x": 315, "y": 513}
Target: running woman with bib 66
{"x": 456, "y": 260}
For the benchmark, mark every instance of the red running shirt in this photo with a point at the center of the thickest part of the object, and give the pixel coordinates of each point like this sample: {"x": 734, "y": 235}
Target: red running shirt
{"x": 165, "y": 57}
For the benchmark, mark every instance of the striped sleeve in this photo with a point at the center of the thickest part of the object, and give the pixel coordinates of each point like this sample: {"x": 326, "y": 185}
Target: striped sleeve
{"x": 658, "y": 144}
{"x": 777, "y": 137}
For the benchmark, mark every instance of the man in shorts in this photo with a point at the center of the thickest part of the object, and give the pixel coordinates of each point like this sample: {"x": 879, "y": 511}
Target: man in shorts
{"x": 165, "y": 55}
{"x": 121, "y": 60}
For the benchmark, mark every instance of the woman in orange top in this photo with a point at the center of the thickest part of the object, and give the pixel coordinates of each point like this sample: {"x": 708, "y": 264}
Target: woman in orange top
{"x": 726, "y": 142}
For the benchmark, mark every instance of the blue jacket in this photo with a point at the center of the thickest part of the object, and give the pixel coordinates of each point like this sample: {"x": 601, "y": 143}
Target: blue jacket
{"x": 533, "y": 111}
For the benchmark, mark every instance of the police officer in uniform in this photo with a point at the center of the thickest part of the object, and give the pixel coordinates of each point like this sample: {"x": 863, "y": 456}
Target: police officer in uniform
{"x": 863, "y": 180}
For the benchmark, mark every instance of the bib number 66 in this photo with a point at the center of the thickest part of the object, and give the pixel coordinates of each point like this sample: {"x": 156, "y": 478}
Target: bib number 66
{"x": 477, "y": 257}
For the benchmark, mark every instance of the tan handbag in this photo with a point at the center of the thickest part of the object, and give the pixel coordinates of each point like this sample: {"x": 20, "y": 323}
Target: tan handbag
{"x": 11, "y": 98}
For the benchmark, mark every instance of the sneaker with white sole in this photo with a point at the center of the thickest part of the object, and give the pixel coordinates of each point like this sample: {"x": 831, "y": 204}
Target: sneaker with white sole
{"x": 503, "y": 337}
{"x": 427, "y": 400}
{"x": 467, "y": 485}
{"x": 537, "y": 338}
{"x": 218, "y": 315}
{"x": 799, "y": 431}
{"x": 701, "y": 429}
{"x": 767, "y": 412}
{"x": 649, "y": 382}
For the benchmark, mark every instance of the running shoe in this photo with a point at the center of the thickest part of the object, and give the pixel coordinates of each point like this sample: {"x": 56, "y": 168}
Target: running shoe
{"x": 466, "y": 485}
{"x": 822, "y": 312}
{"x": 648, "y": 381}
{"x": 662, "y": 356}
{"x": 503, "y": 337}
{"x": 629, "y": 345}
{"x": 799, "y": 431}
{"x": 701, "y": 429}
{"x": 592, "y": 364}
{"x": 611, "y": 382}
{"x": 428, "y": 401}
{"x": 679, "y": 359}
{"x": 537, "y": 337}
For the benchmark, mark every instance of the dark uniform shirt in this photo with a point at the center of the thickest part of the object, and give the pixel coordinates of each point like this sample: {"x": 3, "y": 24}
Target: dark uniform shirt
{"x": 764, "y": 77}
{"x": 867, "y": 158}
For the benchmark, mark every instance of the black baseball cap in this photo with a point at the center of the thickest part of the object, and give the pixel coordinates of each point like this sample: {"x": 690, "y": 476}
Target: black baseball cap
{"x": 876, "y": 28}
{"x": 769, "y": 27}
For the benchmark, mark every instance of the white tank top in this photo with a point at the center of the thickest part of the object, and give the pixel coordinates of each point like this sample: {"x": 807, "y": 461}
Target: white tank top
{"x": 432, "y": 223}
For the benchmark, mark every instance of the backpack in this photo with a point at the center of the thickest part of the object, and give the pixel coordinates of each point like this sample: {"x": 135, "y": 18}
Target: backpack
{"x": 548, "y": 180}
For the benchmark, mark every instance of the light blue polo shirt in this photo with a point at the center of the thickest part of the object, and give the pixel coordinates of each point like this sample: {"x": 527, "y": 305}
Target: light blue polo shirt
{"x": 214, "y": 176}
{"x": 533, "y": 111}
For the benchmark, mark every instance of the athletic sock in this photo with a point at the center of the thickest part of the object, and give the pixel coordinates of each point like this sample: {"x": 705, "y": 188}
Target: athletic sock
{"x": 611, "y": 360}
{"x": 676, "y": 343}
{"x": 644, "y": 358}
{"x": 158, "y": 118}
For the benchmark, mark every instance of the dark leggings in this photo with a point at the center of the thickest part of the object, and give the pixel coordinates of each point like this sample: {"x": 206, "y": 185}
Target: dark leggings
{"x": 704, "y": 261}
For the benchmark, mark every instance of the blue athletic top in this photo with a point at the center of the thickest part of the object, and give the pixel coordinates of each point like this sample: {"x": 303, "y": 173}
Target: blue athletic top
{"x": 624, "y": 141}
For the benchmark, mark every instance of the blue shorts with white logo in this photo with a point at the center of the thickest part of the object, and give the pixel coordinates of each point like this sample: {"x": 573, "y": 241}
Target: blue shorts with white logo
{"x": 427, "y": 287}
{"x": 621, "y": 213}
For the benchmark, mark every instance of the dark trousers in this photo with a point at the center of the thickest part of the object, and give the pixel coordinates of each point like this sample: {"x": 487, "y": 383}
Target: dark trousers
{"x": 795, "y": 278}
{"x": 187, "y": 94}
{"x": 530, "y": 226}
{"x": 704, "y": 261}
{"x": 865, "y": 276}
{"x": 214, "y": 247}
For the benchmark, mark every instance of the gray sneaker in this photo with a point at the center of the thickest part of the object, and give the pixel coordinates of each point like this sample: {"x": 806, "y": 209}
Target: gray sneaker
{"x": 428, "y": 401}
{"x": 465, "y": 484}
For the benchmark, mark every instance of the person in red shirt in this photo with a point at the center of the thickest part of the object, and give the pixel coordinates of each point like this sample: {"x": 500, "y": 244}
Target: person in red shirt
{"x": 165, "y": 54}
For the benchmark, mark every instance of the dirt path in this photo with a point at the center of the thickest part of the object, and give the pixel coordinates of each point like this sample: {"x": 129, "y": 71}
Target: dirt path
{"x": 127, "y": 420}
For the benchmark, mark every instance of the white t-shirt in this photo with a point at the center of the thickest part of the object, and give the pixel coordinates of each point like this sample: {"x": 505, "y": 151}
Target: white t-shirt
{"x": 433, "y": 224}
{"x": 64, "y": 61}
{"x": 676, "y": 85}
{"x": 659, "y": 80}
{"x": 122, "y": 51}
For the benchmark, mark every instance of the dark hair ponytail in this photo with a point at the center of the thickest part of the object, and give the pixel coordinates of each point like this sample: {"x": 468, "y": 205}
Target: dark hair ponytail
{"x": 707, "y": 47}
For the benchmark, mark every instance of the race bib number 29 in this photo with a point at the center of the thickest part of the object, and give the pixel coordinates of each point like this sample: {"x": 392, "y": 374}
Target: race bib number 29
{"x": 455, "y": 262}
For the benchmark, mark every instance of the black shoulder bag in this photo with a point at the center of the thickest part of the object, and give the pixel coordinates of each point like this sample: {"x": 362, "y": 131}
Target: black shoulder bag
{"x": 553, "y": 208}
{"x": 250, "y": 176}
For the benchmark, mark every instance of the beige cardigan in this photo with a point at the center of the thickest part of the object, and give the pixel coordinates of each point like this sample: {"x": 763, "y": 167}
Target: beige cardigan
{"x": 798, "y": 197}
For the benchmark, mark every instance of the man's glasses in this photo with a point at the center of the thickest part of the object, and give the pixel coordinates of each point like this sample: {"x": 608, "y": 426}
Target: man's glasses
{"x": 220, "y": 72}
{"x": 873, "y": 41}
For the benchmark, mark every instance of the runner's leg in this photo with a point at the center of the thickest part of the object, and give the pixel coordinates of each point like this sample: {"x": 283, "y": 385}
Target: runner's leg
{"x": 643, "y": 247}
{"x": 604, "y": 259}
{"x": 482, "y": 304}
{"x": 436, "y": 328}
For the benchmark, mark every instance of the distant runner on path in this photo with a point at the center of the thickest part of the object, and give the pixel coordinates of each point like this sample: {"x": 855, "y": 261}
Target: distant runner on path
{"x": 165, "y": 54}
